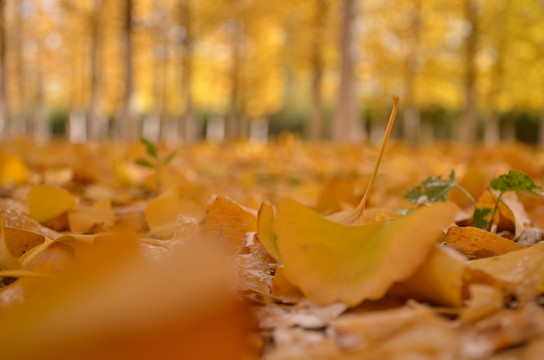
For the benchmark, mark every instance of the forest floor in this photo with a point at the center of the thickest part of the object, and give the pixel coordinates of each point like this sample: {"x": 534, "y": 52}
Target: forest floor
{"x": 245, "y": 251}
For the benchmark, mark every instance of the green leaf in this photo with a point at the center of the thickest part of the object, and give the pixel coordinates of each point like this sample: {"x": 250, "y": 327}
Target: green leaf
{"x": 150, "y": 148}
{"x": 169, "y": 158}
{"x": 480, "y": 217}
{"x": 144, "y": 163}
{"x": 431, "y": 189}
{"x": 517, "y": 181}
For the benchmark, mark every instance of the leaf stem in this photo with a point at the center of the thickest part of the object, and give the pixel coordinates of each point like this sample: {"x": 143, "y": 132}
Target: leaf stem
{"x": 467, "y": 194}
{"x": 361, "y": 207}
{"x": 494, "y": 211}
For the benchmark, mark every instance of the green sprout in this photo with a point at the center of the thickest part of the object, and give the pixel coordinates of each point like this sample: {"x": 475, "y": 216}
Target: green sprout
{"x": 434, "y": 189}
{"x": 153, "y": 161}
{"x": 437, "y": 189}
{"x": 516, "y": 181}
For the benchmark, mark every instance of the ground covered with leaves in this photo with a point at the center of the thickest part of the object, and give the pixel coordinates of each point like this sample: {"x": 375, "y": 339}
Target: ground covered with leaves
{"x": 278, "y": 251}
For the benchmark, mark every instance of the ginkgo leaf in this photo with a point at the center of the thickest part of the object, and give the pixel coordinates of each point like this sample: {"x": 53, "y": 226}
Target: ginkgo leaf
{"x": 12, "y": 168}
{"x": 477, "y": 243}
{"x": 47, "y": 202}
{"x": 265, "y": 230}
{"x": 504, "y": 218}
{"x": 521, "y": 271}
{"x": 332, "y": 262}
{"x": 7, "y": 260}
{"x": 439, "y": 280}
{"x": 83, "y": 218}
{"x": 161, "y": 213}
{"x": 227, "y": 221}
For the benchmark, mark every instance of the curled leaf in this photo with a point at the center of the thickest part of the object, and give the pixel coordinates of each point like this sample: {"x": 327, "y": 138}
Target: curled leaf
{"x": 265, "y": 230}
{"x": 332, "y": 262}
{"x": 477, "y": 243}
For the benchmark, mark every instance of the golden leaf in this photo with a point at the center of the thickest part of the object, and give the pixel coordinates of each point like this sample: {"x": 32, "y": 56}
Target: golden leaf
{"x": 332, "y": 262}
{"x": 47, "y": 202}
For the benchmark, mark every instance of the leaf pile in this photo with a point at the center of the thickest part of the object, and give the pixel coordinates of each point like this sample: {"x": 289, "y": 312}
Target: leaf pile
{"x": 242, "y": 251}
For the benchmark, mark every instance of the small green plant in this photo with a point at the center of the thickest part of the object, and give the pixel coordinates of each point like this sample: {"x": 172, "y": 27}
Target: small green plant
{"x": 437, "y": 189}
{"x": 153, "y": 161}
{"x": 516, "y": 181}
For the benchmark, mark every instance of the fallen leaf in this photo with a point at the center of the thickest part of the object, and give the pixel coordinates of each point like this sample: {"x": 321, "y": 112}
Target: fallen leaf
{"x": 13, "y": 170}
{"x": 332, "y": 262}
{"x": 504, "y": 219}
{"x": 47, "y": 202}
{"x": 82, "y": 218}
{"x": 521, "y": 271}
{"x": 477, "y": 243}
{"x": 227, "y": 222}
{"x": 336, "y": 194}
{"x": 484, "y": 301}
{"x": 439, "y": 279}
{"x": 265, "y": 230}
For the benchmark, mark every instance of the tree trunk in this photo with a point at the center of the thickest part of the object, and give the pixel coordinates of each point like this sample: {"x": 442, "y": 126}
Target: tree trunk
{"x": 411, "y": 116}
{"x": 93, "y": 125}
{"x": 4, "y": 110}
{"x": 314, "y": 126}
{"x": 20, "y": 72}
{"x": 541, "y": 130}
{"x": 233, "y": 119}
{"x": 39, "y": 118}
{"x": 187, "y": 128}
{"x": 467, "y": 129}
{"x": 126, "y": 128}
{"x": 345, "y": 126}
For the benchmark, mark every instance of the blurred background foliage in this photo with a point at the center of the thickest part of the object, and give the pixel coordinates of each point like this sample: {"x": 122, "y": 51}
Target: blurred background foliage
{"x": 186, "y": 70}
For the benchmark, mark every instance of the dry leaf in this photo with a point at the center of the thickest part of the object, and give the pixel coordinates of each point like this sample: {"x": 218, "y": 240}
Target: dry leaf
{"x": 265, "y": 230}
{"x": 84, "y": 218}
{"x": 521, "y": 271}
{"x": 47, "y": 202}
{"x": 477, "y": 243}
{"x": 484, "y": 301}
{"x": 332, "y": 262}
{"x": 227, "y": 222}
{"x": 12, "y": 169}
{"x": 439, "y": 279}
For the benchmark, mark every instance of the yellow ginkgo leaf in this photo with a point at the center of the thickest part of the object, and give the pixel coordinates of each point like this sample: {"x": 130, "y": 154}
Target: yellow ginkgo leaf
{"x": 162, "y": 212}
{"x": 332, "y": 262}
{"x": 47, "y": 202}
{"x": 265, "y": 230}
{"x": 439, "y": 280}
{"x": 83, "y": 218}
{"x": 12, "y": 168}
{"x": 521, "y": 271}
{"x": 227, "y": 221}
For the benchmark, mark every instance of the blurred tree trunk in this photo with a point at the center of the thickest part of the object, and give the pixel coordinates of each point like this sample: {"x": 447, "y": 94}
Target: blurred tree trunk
{"x": 345, "y": 125}
{"x": 467, "y": 128}
{"x": 93, "y": 125}
{"x": 188, "y": 128}
{"x": 541, "y": 130}
{"x": 126, "y": 128}
{"x": 411, "y": 118}
{"x": 39, "y": 120}
{"x": 492, "y": 133}
{"x": 316, "y": 118}
{"x": 4, "y": 110}
{"x": 233, "y": 126}
{"x": 20, "y": 72}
